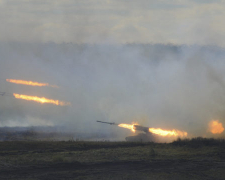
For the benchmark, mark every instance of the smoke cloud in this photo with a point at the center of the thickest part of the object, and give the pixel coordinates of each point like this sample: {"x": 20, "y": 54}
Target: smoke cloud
{"x": 156, "y": 85}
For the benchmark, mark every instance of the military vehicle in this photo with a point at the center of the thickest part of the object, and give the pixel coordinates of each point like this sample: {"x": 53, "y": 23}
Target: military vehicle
{"x": 140, "y": 137}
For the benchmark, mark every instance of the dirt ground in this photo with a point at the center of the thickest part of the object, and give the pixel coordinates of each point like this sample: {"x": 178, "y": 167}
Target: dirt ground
{"x": 110, "y": 160}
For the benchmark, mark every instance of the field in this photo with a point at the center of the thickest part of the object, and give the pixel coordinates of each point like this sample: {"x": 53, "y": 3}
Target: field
{"x": 183, "y": 159}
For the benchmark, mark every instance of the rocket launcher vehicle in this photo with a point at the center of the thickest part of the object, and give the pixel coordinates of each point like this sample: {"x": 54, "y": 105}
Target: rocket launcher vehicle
{"x": 150, "y": 130}
{"x": 134, "y": 127}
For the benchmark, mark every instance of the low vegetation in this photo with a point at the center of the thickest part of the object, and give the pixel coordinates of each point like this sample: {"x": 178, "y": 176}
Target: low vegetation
{"x": 197, "y": 158}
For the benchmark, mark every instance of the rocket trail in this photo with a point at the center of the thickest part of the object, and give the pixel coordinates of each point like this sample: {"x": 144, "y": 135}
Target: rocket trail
{"x": 173, "y": 132}
{"x": 135, "y": 127}
{"x": 158, "y": 131}
{"x": 29, "y": 83}
{"x": 41, "y": 99}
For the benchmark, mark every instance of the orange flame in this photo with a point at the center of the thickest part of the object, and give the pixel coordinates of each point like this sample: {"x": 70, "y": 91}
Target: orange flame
{"x": 216, "y": 127}
{"x": 30, "y": 83}
{"x": 158, "y": 131}
{"x": 128, "y": 126}
{"x": 162, "y": 132}
{"x": 40, "y": 99}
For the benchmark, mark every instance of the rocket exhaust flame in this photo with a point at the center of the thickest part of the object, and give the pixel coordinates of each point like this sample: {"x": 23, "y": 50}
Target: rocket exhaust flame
{"x": 128, "y": 126}
{"x": 162, "y": 132}
{"x": 158, "y": 131}
{"x": 216, "y": 127}
{"x": 40, "y": 99}
{"x": 29, "y": 83}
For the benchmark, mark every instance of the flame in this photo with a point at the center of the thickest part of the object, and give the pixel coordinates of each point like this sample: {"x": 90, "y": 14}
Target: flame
{"x": 162, "y": 132}
{"x": 30, "y": 83}
{"x": 157, "y": 131}
{"x": 216, "y": 127}
{"x": 40, "y": 99}
{"x": 128, "y": 126}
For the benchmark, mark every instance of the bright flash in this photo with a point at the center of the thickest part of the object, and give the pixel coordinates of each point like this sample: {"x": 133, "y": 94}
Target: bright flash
{"x": 216, "y": 127}
{"x": 162, "y": 132}
{"x": 128, "y": 126}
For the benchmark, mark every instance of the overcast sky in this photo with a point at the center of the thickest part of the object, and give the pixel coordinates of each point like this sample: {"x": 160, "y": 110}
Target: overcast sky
{"x": 117, "y": 21}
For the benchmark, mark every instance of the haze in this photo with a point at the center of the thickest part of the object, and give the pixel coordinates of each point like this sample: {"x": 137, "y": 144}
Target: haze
{"x": 157, "y": 63}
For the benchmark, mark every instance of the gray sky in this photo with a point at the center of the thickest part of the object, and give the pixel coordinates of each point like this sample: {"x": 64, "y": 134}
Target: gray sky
{"x": 117, "y": 21}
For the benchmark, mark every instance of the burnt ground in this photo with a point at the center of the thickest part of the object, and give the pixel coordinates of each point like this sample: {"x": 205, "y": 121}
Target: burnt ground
{"x": 110, "y": 160}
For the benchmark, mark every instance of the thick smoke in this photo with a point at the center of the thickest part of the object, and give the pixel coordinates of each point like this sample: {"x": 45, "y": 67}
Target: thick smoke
{"x": 163, "y": 86}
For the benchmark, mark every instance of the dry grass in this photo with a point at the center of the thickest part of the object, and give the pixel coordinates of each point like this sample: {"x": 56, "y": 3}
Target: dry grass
{"x": 112, "y": 160}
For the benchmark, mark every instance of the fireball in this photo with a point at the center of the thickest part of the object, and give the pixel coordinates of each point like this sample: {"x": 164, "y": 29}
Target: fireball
{"x": 216, "y": 127}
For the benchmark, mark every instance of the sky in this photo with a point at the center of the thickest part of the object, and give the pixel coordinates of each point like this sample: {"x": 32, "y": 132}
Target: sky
{"x": 115, "y": 21}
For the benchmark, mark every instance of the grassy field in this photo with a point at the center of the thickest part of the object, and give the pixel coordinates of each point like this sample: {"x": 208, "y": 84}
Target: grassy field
{"x": 183, "y": 159}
